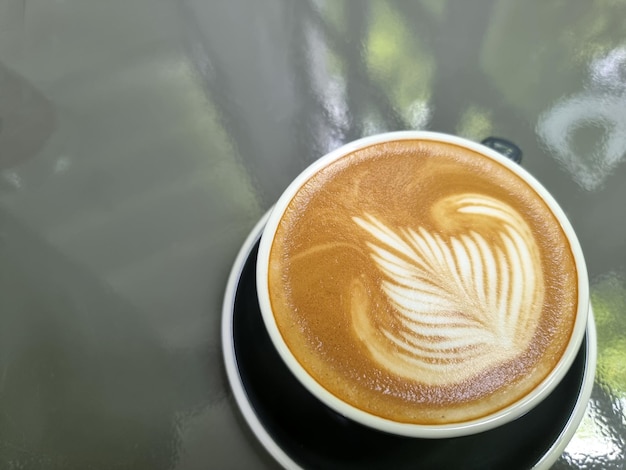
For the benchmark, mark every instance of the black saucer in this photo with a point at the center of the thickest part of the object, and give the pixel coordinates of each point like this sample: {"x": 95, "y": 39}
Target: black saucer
{"x": 299, "y": 431}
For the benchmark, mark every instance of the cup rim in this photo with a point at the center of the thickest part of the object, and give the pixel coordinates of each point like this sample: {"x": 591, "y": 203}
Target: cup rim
{"x": 509, "y": 413}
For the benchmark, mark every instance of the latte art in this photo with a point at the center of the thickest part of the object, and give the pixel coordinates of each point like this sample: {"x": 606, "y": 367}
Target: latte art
{"x": 421, "y": 282}
{"x": 462, "y": 303}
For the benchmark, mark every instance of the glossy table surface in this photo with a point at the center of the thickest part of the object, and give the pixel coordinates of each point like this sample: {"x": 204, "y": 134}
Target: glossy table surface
{"x": 141, "y": 140}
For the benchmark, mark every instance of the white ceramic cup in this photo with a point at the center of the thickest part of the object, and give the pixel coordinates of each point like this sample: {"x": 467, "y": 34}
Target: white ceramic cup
{"x": 490, "y": 421}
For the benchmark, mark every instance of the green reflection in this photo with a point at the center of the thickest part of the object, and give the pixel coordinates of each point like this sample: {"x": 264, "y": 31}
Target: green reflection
{"x": 387, "y": 70}
{"x": 537, "y": 51}
{"x": 403, "y": 65}
{"x": 475, "y": 123}
{"x": 608, "y": 296}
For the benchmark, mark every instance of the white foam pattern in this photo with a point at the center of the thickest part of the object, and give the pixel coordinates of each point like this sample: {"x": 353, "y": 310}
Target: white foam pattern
{"x": 464, "y": 299}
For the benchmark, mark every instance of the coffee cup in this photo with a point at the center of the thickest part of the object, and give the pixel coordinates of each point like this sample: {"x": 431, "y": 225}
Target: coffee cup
{"x": 423, "y": 285}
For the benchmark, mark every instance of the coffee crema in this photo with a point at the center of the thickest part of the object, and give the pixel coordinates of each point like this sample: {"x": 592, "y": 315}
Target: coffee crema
{"x": 422, "y": 282}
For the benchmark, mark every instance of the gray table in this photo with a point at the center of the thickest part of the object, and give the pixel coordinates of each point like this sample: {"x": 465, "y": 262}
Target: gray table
{"x": 141, "y": 140}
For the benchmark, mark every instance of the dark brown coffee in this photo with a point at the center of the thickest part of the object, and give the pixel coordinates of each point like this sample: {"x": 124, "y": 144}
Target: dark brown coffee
{"x": 423, "y": 282}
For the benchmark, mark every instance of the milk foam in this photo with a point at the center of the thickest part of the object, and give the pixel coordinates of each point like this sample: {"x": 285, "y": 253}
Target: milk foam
{"x": 465, "y": 298}
{"x": 422, "y": 282}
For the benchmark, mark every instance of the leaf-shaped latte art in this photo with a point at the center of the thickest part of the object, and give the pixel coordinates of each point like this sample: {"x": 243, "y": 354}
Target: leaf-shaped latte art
{"x": 463, "y": 300}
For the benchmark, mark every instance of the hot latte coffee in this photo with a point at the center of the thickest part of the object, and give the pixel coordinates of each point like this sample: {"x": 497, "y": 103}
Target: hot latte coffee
{"x": 422, "y": 282}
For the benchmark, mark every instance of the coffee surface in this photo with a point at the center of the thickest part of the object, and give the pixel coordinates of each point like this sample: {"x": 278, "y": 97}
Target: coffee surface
{"x": 422, "y": 282}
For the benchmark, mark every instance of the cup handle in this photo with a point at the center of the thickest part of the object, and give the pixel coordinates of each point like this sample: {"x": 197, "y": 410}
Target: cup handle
{"x": 504, "y": 147}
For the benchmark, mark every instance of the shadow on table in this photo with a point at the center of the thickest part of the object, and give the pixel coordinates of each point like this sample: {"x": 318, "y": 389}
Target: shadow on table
{"x": 27, "y": 118}
{"x": 83, "y": 382}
